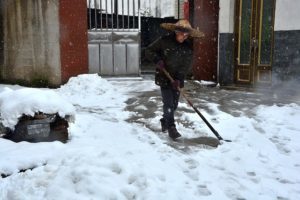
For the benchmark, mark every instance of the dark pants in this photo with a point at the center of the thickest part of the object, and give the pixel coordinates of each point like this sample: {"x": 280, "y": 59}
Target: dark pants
{"x": 170, "y": 99}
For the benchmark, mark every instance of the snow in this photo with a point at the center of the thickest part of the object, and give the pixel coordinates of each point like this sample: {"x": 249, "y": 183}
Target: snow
{"x": 88, "y": 90}
{"x": 28, "y": 101}
{"x": 207, "y": 83}
{"x": 108, "y": 157}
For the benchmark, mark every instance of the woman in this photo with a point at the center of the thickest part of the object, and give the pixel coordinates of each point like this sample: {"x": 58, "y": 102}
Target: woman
{"x": 172, "y": 52}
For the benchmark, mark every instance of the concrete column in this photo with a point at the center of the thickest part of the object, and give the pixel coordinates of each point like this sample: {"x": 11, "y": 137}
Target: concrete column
{"x": 226, "y": 42}
{"x": 73, "y": 38}
{"x": 206, "y": 49}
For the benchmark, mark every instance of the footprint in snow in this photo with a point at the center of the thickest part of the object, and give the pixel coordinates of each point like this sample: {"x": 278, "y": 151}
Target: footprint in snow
{"x": 203, "y": 191}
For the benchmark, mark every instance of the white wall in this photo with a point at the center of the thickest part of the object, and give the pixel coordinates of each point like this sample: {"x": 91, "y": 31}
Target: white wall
{"x": 32, "y": 40}
{"x": 226, "y": 16}
{"x": 287, "y": 15}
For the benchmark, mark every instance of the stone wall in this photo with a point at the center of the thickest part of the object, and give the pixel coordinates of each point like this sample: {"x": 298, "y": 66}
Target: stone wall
{"x": 226, "y": 59}
{"x": 31, "y": 41}
{"x": 226, "y": 42}
{"x": 286, "y": 58}
{"x": 286, "y": 55}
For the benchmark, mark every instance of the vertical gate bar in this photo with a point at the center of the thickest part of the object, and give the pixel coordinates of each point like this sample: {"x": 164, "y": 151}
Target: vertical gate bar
{"x": 123, "y": 18}
{"x": 106, "y": 15}
{"x": 101, "y": 12}
{"x": 112, "y": 14}
{"x": 100, "y": 56}
{"x": 95, "y": 9}
{"x": 117, "y": 12}
{"x": 123, "y": 15}
{"x": 178, "y": 9}
{"x": 126, "y": 57}
{"x": 133, "y": 13}
{"x": 90, "y": 16}
{"x": 128, "y": 14}
{"x": 139, "y": 15}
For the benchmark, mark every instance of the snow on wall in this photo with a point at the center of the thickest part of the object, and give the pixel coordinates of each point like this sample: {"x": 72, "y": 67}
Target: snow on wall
{"x": 226, "y": 16}
{"x": 154, "y": 8}
{"x": 287, "y": 15}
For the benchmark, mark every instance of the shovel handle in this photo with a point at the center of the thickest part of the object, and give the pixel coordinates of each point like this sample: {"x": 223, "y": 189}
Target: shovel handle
{"x": 168, "y": 76}
{"x": 192, "y": 105}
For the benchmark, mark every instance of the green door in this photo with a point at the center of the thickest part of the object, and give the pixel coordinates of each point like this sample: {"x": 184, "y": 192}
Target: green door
{"x": 254, "y": 30}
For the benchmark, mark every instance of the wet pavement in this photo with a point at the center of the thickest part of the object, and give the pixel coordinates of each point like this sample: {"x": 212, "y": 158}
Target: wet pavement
{"x": 232, "y": 100}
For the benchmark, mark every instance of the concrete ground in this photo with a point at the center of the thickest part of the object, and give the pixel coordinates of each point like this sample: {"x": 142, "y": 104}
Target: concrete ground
{"x": 232, "y": 100}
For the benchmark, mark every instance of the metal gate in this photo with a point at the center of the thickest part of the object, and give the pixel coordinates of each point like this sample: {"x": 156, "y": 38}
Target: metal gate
{"x": 114, "y": 37}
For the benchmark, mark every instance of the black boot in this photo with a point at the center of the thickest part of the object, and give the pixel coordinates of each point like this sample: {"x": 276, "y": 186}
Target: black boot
{"x": 173, "y": 133}
{"x": 163, "y": 125}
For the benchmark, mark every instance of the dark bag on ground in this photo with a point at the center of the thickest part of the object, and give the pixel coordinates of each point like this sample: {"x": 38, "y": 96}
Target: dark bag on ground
{"x": 40, "y": 128}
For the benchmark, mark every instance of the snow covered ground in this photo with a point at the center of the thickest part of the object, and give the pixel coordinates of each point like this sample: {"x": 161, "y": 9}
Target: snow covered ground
{"x": 108, "y": 157}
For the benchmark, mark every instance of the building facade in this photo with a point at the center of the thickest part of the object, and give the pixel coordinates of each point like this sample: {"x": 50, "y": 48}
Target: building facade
{"x": 258, "y": 42}
{"x": 247, "y": 42}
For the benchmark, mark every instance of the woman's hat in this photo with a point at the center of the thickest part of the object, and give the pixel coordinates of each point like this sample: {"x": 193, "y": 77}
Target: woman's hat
{"x": 182, "y": 25}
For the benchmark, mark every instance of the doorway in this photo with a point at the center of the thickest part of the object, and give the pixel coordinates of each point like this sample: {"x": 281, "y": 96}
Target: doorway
{"x": 254, "y": 32}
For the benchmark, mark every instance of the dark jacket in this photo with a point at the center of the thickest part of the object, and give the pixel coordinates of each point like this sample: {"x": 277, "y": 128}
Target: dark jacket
{"x": 176, "y": 56}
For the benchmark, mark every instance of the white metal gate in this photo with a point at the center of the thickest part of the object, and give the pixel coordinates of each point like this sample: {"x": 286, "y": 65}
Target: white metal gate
{"x": 114, "y": 37}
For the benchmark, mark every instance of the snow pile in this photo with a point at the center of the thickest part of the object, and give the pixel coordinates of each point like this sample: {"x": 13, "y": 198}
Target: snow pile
{"x": 283, "y": 127}
{"x": 23, "y": 155}
{"x": 93, "y": 94}
{"x": 85, "y": 85}
{"x": 88, "y": 90}
{"x": 28, "y": 101}
{"x": 205, "y": 83}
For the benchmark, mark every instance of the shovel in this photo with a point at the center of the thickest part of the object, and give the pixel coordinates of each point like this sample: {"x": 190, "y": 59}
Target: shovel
{"x": 195, "y": 109}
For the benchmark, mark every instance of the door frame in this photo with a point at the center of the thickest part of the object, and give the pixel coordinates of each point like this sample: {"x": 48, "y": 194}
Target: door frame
{"x": 259, "y": 74}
